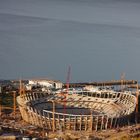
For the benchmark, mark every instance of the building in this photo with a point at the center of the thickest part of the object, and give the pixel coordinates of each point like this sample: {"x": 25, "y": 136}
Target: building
{"x": 91, "y": 88}
{"x": 46, "y": 83}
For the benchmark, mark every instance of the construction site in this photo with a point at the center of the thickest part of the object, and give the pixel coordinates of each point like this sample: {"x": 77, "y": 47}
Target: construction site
{"x": 87, "y": 108}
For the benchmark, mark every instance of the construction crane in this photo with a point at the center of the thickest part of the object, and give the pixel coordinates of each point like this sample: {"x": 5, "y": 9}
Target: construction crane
{"x": 67, "y": 88}
{"x": 13, "y": 107}
{"x": 137, "y": 101}
{"x": 68, "y": 78}
{"x": 21, "y": 88}
{"x": 122, "y": 81}
{"x": 0, "y": 105}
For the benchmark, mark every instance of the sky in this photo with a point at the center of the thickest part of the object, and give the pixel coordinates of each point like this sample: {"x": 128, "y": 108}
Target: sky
{"x": 98, "y": 39}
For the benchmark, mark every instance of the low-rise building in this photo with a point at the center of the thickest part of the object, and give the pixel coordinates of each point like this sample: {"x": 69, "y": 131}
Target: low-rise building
{"x": 91, "y": 88}
{"x": 46, "y": 83}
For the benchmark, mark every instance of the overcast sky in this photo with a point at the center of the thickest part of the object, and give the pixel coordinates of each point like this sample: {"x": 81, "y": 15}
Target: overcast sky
{"x": 99, "y": 39}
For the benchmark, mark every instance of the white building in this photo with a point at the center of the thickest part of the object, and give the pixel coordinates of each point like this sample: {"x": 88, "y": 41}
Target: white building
{"x": 28, "y": 87}
{"x": 46, "y": 83}
{"x": 91, "y": 88}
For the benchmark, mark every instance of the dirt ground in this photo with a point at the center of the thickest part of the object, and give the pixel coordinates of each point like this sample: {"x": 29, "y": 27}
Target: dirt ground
{"x": 125, "y": 133}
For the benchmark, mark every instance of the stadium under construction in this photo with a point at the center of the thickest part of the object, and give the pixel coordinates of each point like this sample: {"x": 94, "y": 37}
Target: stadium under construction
{"x": 81, "y": 109}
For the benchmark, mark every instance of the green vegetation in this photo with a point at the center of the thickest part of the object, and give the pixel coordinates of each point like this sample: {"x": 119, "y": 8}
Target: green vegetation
{"x": 6, "y": 99}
